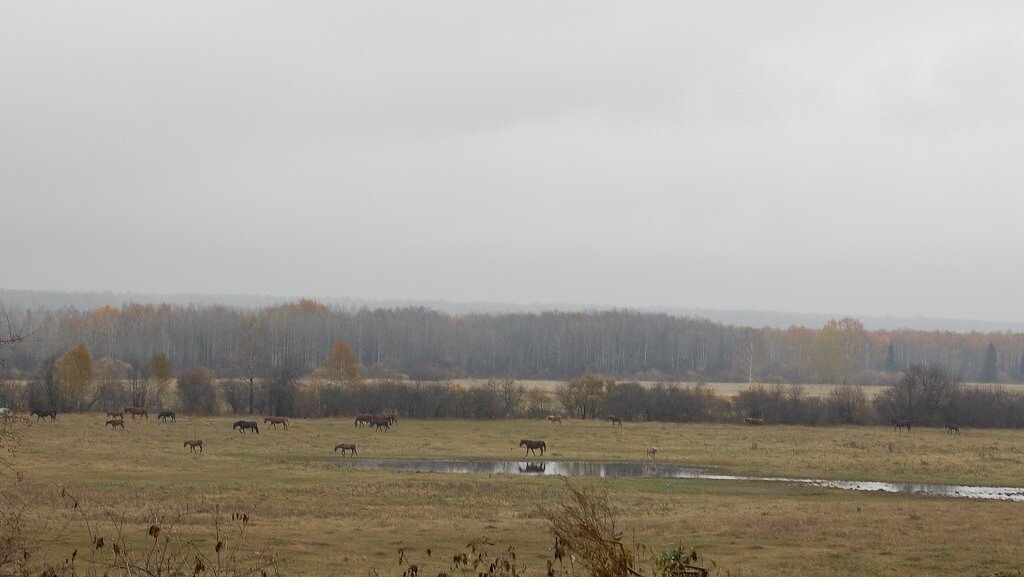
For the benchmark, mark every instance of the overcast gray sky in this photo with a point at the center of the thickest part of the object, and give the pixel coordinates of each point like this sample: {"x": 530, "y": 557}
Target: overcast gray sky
{"x": 860, "y": 157}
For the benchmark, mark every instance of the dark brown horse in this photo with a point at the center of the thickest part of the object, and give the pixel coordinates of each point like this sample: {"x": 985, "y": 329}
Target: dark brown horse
{"x": 43, "y": 413}
{"x": 391, "y": 416}
{"x": 243, "y": 425}
{"x": 346, "y": 447}
{"x": 952, "y": 428}
{"x": 164, "y": 415}
{"x": 115, "y": 423}
{"x": 137, "y": 411}
{"x": 615, "y": 420}
{"x": 752, "y": 422}
{"x": 115, "y": 414}
{"x": 533, "y": 446}
{"x": 381, "y": 423}
{"x": 194, "y": 444}
{"x": 364, "y": 419}
{"x": 900, "y": 424}
{"x": 275, "y": 421}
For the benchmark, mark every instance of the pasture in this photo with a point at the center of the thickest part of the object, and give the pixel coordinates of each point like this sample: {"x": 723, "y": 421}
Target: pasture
{"x": 322, "y": 518}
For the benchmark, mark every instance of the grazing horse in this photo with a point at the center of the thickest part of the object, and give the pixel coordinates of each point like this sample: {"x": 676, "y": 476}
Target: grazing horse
{"x": 164, "y": 415}
{"x": 364, "y": 419}
{"x": 43, "y": 413}
{"x": 115, "y": 414}
{"x": 652, "y": 452}
{"x": 346, "y": 447}
{"x": 952, "y": 428}
{"x": 899, "y": 424}
{"x": 193, "y": 444}
{"x": 275, "y": 421}
{"x": 554, "y": 419}
{"x": 381, "y": 423}
{"x": 6, "y": 414}
{"x": 533, "y": 446}
{"x": 115, "y": 423}
{"x": 139, "y": 411}
{"x": 752, "y": 422}
{"x": 243, "y": 425}
{"x": 392, "y": 417}
{"x": 615, "y": 420}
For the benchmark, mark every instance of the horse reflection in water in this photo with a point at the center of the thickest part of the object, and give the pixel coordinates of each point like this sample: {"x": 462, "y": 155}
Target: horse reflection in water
{"x": 533, "y": 467}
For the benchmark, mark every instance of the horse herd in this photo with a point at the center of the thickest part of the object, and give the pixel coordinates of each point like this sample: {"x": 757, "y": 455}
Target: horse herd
{"x": 380, "y": 421}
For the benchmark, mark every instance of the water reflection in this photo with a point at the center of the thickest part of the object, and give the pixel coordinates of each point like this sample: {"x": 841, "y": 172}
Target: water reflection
{"x": 668, "y": 471}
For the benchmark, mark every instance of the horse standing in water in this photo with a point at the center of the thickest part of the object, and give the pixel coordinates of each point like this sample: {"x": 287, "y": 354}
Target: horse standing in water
{"x": 899, "y": 424}
{"x": 346, "y": 447}
{"x": 115, "y": 423}
{"x": 193, "y": 444}
{"x": 533, "y": 446}
{"x": 275, "y": 421}
{"x": 243, "y": 425}
{"x": 615, "y": 420}
{"x": 137, "y": 411}
{"x": 167, "y": 415}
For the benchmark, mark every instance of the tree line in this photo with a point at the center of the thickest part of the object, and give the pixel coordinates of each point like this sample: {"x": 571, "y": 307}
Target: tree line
{"x": 73, "y": 381}
{"x": 422, "y": 344}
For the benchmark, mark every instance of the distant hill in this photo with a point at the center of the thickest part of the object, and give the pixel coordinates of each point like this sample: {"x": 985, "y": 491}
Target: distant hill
{"x": 14, "y": 300}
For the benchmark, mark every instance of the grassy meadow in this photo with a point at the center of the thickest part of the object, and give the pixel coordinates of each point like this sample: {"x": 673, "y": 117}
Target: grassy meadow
{"x": 323, "y": 518}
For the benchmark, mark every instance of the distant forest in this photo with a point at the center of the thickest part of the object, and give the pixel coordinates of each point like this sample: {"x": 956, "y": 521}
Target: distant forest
{"x": 427, "y": 345}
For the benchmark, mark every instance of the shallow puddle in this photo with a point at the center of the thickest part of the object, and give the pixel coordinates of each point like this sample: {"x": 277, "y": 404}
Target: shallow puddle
{"x": 668, "y": 471}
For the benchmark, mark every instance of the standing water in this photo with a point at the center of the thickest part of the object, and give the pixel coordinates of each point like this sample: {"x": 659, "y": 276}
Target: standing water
{"x": 666, "y": 471}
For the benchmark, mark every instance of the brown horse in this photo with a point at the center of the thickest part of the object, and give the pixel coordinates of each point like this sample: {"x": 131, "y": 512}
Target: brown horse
{"x": 243, "y": 425}
{"x": 381, "y": 423}
{"x": 533, "y": 446}
{"x": 392, "y": 417}
{"x": 346, "y": 447}
{"x": 43, "y": 413}
{"x": 652, "y": 452}
{"x": 137, "y": 411}
{"x": 899, "y": 424}
{"x": 115, "y": 423}
{"x": 554, "y": 419}
{"x": 752, "y": 422}
{"x": 364, "y": 419}
{"x": 115, "y": 414}
{"x": 615, "y": 420}
{"x": 194, "y": 444}
{"x": 275, "y": 421}
{"x": 952, "y": 428}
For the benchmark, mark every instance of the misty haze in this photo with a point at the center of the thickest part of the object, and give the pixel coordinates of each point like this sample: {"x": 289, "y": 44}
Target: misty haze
{"x": 338, "y": 289}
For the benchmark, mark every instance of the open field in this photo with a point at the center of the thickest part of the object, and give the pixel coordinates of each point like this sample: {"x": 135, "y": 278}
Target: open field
{"x": 325, "y": 519}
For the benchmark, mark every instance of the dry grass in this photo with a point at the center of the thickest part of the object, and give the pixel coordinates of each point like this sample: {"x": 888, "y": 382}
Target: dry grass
{"x": 329, "y": 520}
